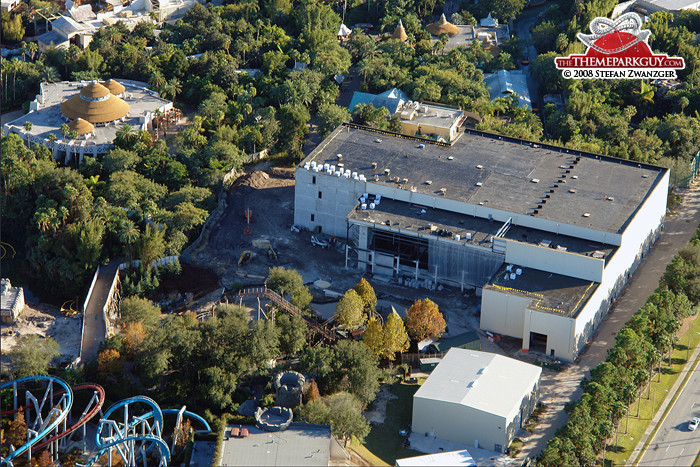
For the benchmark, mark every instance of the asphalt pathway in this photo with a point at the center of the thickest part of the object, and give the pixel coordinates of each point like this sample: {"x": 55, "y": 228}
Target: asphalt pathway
{"x": 557, "y": 389}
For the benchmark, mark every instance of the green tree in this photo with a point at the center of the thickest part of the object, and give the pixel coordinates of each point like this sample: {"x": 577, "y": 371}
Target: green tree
{"x": 357, "y": 370}
{"x": 330, "y": 116}
{"x": 292, "y": 333}
{"x": 32, "y": 354}
{"x": 349, "y": 312}
{"x": 424, "y": 320}
{"x": 284, "y": 281}
{"x": 118, "y": 159}
{"x": 301, "y": 297}
{"x": 12, "y": 27}
{"x": 150, "y": 244}
{"x": 345, "y": 417}
{"x": 139, "y": 310}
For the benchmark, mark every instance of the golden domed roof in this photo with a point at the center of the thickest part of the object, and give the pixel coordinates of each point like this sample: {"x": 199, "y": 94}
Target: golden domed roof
{"x": 114, "y": 87}
{"x": 400, "y": 33}
{"x": 95, "y": 104}
{"x": 82, "y": 127}
{"x": 442, "y": 26}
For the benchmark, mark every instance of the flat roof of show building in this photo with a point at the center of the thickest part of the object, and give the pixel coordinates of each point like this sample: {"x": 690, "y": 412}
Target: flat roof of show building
{"x": 391, "y": 214}
{"x": 550, "y": 292}
{"x": 499, "y": 172}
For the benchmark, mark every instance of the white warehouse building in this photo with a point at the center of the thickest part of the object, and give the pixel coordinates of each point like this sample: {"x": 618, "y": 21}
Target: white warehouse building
{"x": 549, "y": 236}
{"x": 477, "y": 399}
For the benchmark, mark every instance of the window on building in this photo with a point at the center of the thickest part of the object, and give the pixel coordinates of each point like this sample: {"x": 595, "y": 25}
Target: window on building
{"x": 313, "y": 179}
{"x": 312, "y": 217}
{"x": 498, "y": 448}
{"x": 320, "y": 195}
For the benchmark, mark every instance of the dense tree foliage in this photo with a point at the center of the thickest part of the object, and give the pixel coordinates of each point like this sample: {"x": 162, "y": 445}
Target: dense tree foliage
{"x": 32, "y": 354}
{"x": 342, "y": 411}
{"x": 349, "y": 312}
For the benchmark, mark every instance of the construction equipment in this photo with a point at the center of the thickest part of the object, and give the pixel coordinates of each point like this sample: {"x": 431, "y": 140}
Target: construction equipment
{"x": 265, "y": 244}
{"x": 245, "y": 257}
{"x": 248, "y": 216}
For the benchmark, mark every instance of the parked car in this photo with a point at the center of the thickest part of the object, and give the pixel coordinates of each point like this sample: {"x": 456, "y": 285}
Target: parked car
{"x": 693, "y": 425}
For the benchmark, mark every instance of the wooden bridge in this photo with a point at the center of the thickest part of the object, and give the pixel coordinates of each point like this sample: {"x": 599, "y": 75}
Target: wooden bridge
{"x": 283, "y": 305}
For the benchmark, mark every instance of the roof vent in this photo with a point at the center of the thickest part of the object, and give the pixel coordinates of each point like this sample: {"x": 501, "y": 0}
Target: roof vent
{"x": 535, "y": 180}
{"x": 396, "y": 179}
{"x": 340, "y": 157}
{"x": 405, "y": 180}
{"x": 480, "y": 167}
{"x": 413, "y": 189}
{"x": 449, "y": 158}
{"x": 443, "y": 191}
{"x": 610, "y": 198}
{"x": 428, "y": 182}
{"x": 473, "y": 384}
{"x": 586, "y": 214}
{"x": 378, "y": 140}
{"x": 374, "y": 166}
{"x": 479, "y": 184}
{"x": 572, "y": 191}
{"x": 482, "y": 370}
{"x": 574, "y": 177}
{"x": 645, "y": 176}
{"x": 387, "y": 171}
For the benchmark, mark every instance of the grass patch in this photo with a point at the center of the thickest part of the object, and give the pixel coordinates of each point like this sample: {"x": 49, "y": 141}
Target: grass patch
{"x": 515, "y": 447}
{"x": 618, "y": 453}
{"x": 384, "y": 441}
{"x": 534, "y": 418}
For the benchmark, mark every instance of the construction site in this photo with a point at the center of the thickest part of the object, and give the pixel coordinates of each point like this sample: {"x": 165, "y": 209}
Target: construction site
{"x": 253, "y": 230}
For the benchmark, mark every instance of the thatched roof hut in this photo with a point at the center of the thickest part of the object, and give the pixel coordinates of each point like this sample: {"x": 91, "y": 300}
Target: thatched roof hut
{"x": 400, "y": 33}
{"x": 114, "y": 87}
{"x": 80, "y": 126}
{"x": 442, "y": 26}
{"x": 96, "y": 104}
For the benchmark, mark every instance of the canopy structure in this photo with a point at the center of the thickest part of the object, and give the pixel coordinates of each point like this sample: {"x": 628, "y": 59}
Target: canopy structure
{"x": 95, "y": 104}
{"x": 344, "y": 31}
{"x": 442, "y": 26}
{"x": 400, "y": 33}
{"x": 114, "y": 87}
{"x": 80, "y": 126}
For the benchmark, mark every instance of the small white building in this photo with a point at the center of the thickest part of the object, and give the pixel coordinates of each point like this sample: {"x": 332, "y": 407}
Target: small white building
{"x": 476, "y": 398}
{"x": 9, "y": 5}
{"x": 12, "y": 299}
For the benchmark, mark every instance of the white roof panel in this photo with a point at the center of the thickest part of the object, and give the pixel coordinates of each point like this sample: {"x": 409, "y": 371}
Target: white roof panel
{"x": 484, "y": 381}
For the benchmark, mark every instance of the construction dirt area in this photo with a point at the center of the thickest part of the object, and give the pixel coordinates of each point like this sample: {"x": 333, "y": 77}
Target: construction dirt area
{"x": 46, "y": 321}
{"x": 268, "y": 194}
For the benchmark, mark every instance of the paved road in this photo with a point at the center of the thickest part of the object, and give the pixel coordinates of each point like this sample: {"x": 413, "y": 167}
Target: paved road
{"x": 559, "y": 388}
{"x": 674, "y": 444}
{"x": 93, "y": 319}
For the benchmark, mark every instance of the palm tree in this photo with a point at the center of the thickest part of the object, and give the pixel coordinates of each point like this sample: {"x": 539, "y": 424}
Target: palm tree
{"x": 33, "y": 48}
{"x": 64, "y": 129}
{"x": 51, "y": 74}
{"x": 27, "y": 128}
{"x": 15, "y": 66}
{"x": 157, "y": 81}
{"x": 23, "y": 46}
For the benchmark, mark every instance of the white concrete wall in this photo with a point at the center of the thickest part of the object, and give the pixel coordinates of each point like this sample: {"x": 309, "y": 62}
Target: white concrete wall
{"x": 640, "y": 234}
{"x": 503, "y": 313}
{"x": 343, "y": 195}
{"x": 553, "y": 260}
{"x": 559, "y": 330}
{"x": 458, "y": 423}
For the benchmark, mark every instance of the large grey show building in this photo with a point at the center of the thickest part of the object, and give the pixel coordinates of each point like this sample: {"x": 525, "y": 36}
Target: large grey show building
{"x": 549, "y": 236}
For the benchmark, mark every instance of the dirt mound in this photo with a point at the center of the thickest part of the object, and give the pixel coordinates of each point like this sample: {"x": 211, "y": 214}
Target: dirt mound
{"x": 256, "y": 179}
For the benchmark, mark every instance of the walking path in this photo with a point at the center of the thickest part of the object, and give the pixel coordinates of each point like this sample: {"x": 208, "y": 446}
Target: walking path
{"x": 94, "y": 326}
{"x": 557, "y": 389}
